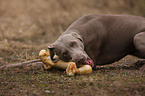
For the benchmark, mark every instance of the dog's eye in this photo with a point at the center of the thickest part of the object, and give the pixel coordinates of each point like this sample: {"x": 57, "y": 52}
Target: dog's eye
{"x": 73, "y": 44}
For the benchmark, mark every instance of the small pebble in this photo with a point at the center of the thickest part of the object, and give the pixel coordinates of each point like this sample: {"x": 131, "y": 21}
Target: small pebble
{"x": 47, "y": 91}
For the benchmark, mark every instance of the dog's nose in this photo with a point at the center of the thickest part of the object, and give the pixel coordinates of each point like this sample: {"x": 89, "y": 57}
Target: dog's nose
{"x": 80, "y": 60}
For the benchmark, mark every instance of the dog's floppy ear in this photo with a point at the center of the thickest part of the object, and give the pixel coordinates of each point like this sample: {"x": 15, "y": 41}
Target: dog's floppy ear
{"x": 77, "y": 36}
{"x": 52, "y": 53}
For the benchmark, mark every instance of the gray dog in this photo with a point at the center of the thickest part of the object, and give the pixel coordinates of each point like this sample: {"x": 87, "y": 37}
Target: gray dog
{"x": 101, "y": 39}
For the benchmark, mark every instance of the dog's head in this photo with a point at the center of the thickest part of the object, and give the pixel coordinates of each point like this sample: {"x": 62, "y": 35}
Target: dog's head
{"x": 70, "y": 47}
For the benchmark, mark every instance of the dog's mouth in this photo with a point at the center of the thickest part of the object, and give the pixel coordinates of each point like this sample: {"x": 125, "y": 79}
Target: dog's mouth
{"x": 89, "y": 62}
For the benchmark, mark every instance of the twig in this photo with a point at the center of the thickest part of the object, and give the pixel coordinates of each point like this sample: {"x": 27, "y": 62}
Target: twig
{"x": 35, "y": 62}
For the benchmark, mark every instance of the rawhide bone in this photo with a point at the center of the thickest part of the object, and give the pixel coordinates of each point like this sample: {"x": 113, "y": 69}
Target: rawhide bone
{"x": 70, "y": 67}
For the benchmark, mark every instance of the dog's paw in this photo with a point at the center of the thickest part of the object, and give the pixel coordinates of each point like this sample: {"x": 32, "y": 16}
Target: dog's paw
{"x": 71, "y": 69}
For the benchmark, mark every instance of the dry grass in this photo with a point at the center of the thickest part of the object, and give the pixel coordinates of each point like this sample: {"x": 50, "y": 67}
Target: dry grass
{"x": 27, "y": 26}
{"x": 46, "y": 19}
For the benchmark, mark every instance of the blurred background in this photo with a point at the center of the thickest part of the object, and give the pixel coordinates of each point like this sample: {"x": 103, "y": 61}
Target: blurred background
{"x": 26, "y": 26}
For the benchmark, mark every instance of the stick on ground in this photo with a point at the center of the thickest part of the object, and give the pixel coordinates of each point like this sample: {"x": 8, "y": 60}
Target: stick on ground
{"x": 35, "y": 62}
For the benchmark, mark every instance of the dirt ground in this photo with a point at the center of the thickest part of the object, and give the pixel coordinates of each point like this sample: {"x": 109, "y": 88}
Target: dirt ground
{"x": 27, "y": 26}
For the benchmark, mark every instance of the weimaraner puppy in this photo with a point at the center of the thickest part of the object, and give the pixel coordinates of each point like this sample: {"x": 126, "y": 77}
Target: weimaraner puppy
{"x": 101, "y": 39}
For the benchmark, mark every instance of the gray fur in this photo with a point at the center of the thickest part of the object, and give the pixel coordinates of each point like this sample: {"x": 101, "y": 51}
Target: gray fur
{"x": 103, "y": 38}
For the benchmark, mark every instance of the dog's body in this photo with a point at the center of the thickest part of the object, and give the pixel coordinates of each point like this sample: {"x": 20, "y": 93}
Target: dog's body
{"x": 101, "y": 38}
